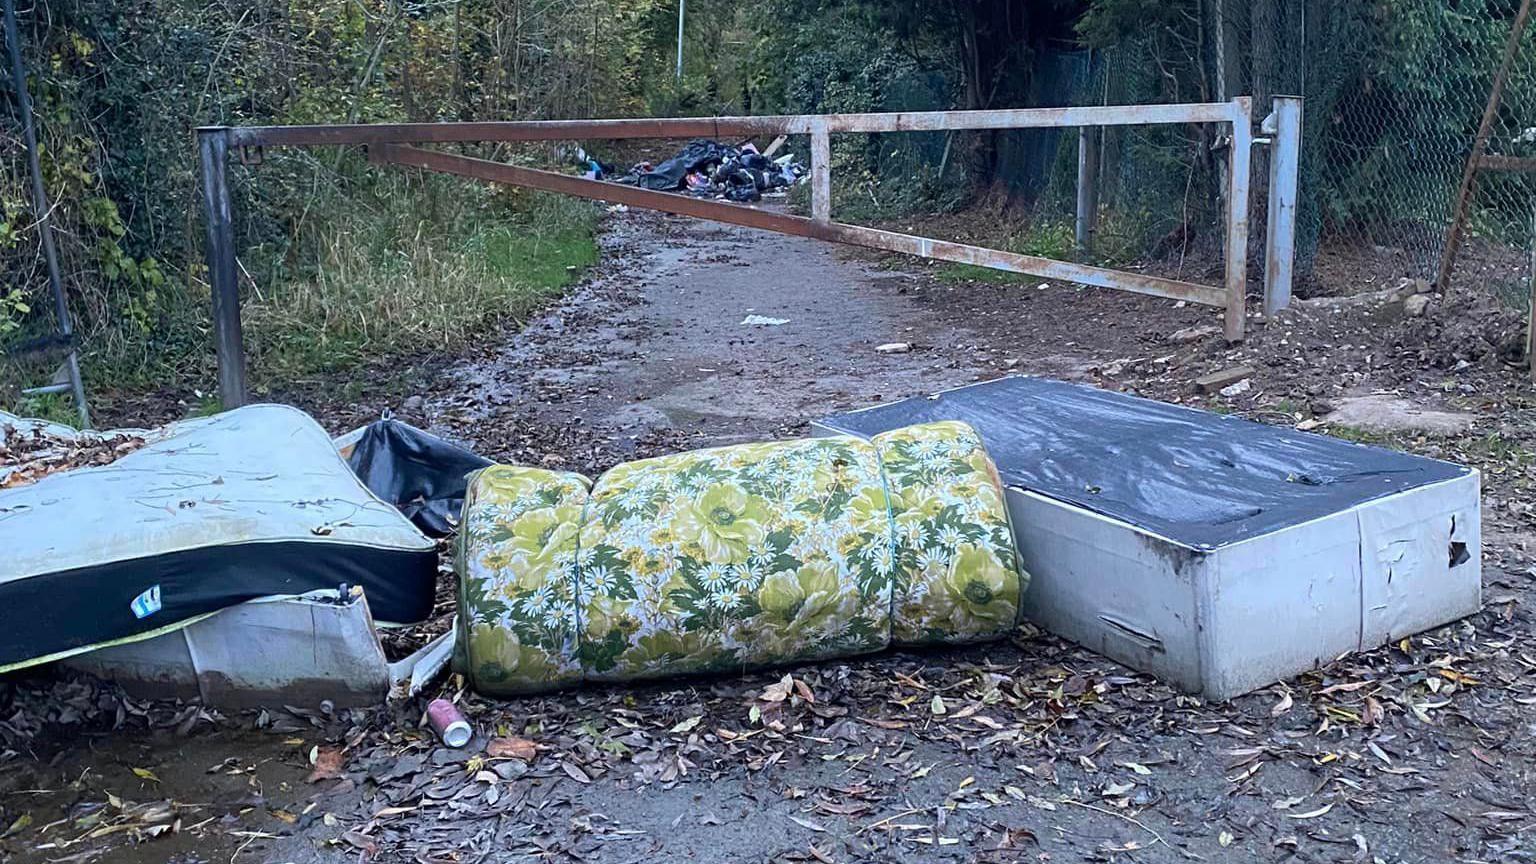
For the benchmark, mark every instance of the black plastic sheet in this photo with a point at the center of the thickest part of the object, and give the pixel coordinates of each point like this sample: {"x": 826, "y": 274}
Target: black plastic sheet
{"x": 1194, "y": 477}
{"x": 422, "y": 475}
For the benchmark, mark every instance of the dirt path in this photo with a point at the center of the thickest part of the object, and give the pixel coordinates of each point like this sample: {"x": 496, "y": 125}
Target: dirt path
{"x": 657, "y": 350}
{"x": 1033, "y": 750}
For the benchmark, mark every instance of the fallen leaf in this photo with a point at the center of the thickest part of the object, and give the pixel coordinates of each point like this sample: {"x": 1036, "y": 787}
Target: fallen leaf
{"x": 688, "y": 725}
{"x": 1373, "y": 712}
{"x": 361, "y": 841}
{"x": 145, "y": 774}
{"x": 1283, "y": 705}
{"x": 1225, "y": 838}
{"x": 329, "y": 763}
{"x": 937, "y": 705}
{"x": 576, "y": 773}
{"x": 20, "y": 824}
{"x": 806, "y": 823}
{"x": 1344, "y": 688}
{"x": 1311, "y": 814}
{"x": 511, "y": 747}
{"x": 779, "y": 690}
{"x": 1115, "y": 790}
{"x": 1136, "y": 767}
{"x": 803, "y": 690}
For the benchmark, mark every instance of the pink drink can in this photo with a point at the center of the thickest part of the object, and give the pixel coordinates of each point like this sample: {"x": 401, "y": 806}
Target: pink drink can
{"x": 449, "y": 723}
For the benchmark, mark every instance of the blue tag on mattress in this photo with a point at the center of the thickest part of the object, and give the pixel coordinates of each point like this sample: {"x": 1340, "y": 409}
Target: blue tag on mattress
{"x": 146, "y": 604}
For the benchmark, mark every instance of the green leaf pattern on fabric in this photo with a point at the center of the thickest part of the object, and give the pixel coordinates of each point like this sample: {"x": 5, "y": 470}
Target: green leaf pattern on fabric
{"x": 958, "y": 577}
{"x": 734, "y": 557}
{"x": 517, "y": 575}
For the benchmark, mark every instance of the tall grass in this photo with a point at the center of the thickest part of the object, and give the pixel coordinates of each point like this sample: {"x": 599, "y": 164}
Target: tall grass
{"x": 372, "y": 269}
{"x": 418, "y": 265}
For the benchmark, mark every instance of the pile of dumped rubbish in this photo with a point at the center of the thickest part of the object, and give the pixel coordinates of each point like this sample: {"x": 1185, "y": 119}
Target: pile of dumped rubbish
{"x": 709, "y": 169}
{"x": 156, "y": 558}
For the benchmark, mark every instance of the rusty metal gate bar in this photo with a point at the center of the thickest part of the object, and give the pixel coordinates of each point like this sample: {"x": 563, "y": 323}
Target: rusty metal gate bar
{"x": 388, "y": 143}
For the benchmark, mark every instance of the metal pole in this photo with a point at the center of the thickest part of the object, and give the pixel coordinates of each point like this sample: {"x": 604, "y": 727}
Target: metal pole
{"x": 1088, "y": 138}
{"x": 821, "y": 172}
{"x": 44, "y": 212}
{"x": 682, "y": 8}
{"x": 1239, "y": 159}
{"x": 1280, "y": 238}
{"x": 213, "y": 149}
{"x": 1480, "y": 146}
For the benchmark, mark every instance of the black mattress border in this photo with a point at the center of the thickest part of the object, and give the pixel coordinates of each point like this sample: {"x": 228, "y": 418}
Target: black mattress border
{"x": 66, "y": 610}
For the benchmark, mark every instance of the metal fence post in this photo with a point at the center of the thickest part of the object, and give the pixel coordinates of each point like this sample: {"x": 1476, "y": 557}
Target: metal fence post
{"x": 1088, "y": 138}
{"x": 213, "y": 149}
{"x": 1280, "y": 237}
{"x": 821, "y": 172}
{"x": 44, "y": 215}
{"x": 1239, "y": 159}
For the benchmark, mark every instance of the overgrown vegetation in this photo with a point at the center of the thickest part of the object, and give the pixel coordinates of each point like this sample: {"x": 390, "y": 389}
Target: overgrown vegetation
{"x": 341, "y": 261}
{"x": 416, "y": 265}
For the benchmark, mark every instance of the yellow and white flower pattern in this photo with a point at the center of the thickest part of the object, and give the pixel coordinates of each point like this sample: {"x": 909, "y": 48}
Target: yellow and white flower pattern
{"x": 734, "y": 557}
{"x": 516, "y": 564}
{"x": 958, "y": 577}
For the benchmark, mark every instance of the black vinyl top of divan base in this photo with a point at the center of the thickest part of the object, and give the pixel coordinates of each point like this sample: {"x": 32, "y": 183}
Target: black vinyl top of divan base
{"x": 1198, "y": 478}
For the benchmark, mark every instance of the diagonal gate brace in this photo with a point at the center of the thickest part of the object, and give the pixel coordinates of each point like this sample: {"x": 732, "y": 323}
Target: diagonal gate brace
{"x": 800, "y": 226}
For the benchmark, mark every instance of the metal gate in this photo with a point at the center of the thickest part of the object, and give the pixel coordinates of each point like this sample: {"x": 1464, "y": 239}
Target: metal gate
{"x": 397, "y": 144}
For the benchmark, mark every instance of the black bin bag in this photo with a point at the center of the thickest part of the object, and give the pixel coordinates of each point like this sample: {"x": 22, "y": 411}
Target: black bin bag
{"x": 421, "y": 474}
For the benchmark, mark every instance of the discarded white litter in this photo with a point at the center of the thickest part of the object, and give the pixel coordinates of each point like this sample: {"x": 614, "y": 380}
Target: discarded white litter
{"x": 762, "y": 321}
{"x": 1238, "y": 389}
{"x": 894, "y": 348}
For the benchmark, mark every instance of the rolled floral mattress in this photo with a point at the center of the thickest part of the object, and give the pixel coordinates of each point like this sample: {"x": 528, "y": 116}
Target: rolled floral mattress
{"x": 734, "y": 557}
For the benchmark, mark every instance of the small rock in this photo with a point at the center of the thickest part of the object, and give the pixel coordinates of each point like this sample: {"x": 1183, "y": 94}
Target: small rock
{"x": 1416, "y": 305}
{"x": 1409, "y": 287}
{"x": 1192, "y": 334}
{"x": 894, "y": 348}
{"x": 1238, "y": 389}
{"x": 1321, "y": 407}
{"x": 1010, "y": 363}
{"x": 413, "y": 404}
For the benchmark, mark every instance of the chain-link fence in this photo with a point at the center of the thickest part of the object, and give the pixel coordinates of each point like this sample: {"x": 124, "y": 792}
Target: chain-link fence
{"x": 1498, "y": 244}
{"x": 1394, "y": 94}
